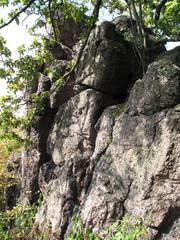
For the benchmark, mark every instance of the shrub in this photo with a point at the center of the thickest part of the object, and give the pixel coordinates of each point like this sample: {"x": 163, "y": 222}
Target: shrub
{"x": 126, "y": 229}
{"x": 16, "y": 224}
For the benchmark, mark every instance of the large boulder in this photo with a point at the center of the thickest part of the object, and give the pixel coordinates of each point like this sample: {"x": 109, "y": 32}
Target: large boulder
{"x": 108, "y": 63}
{"x": 160, "y": 87}
{"x": 73, "y": 134}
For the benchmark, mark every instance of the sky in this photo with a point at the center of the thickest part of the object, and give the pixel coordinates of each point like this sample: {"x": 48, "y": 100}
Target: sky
{"x": 17, "y": 35}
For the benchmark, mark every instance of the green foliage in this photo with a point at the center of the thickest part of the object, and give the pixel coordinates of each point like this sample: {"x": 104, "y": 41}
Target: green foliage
{"x": 23, "y": 79}
{"x": 167, "y": 26}
{"x": 59, "y": 83}
{"x": 17, "y": 223}
{"x": 118, "y": 110}
{"x": 77, "y": 232}
{"x": 126, "y": 229}
{"x": 168, "y": 23}
{"x": 22, "y": 73}
{"x": 7, "y": 149}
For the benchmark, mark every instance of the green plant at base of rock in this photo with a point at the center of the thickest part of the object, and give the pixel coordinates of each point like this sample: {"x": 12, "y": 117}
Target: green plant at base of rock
{"x": 128, "y": 228}
{"x": 8, "y": 148}
{"x": 77, "y": 232}
{"x": 16, "y": 224}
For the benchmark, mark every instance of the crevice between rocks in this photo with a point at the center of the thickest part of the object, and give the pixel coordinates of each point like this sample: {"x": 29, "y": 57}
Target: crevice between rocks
{"x": 117, "y": 99}
{"x": 165, "y": 227}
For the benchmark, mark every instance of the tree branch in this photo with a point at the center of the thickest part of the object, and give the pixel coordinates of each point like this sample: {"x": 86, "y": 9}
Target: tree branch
{"x": 18, "y": 14}
{"x": 95, "y": 15}
{"x": 52, "y": 21}
{"x": 158, "y": 10}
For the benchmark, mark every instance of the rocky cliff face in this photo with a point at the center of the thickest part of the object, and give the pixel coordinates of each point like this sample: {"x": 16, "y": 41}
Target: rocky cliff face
{"x": 109, "y": 143}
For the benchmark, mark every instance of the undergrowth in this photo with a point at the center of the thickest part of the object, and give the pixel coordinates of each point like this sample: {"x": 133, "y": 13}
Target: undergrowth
{"x": 126, "y": 229}
{"x": 16, "y": 224}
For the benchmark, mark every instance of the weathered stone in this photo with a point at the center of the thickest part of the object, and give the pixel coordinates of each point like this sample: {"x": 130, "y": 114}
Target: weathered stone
{"x": 61, "y": 89}
{"x": 46, "y": 173}
{"x": 143, "y": 159}
{"x": 108, "y": 63}
{"x": 71, "y": 31}
{"x": 104, "y": 128}
{"x": 36, "y": 155}
{"x": 160, "y": 87}
{"x": 128, "y": 28}
{"x": 30, "y": 173}
{"x": 61, "y": 52}
{"x": 74, "y": 132}
{"x": 71, "y": 146}
{"x": 61, "y": 196}
{"x": 13, "y": 188}
{"x": 61, "y": 94}
{"x": 138, "y": 173}
{"x": 172, "y": 228}
{"x": 123, "y": 24}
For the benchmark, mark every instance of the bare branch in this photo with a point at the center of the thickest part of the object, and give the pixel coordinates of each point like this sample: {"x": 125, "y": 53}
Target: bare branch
{"x": 18, "y": 14}
{"x": 95, "y": 15}
{"x": 52, "y": 20}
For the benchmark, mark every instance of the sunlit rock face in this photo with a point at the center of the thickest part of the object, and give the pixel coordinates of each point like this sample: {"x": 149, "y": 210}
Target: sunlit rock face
{"x": 160, "y": 87}
{"x": 139, "y": 172}
{"x": 112, "y": 145}
{"x": 108, "y": 63}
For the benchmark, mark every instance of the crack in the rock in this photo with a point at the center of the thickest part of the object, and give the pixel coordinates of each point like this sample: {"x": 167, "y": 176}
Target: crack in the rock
{"x": 118, "y": 99}
{"x": 94, "y": 161}
{"x": 126, "y": 197}
{"x": 165, "y": 110}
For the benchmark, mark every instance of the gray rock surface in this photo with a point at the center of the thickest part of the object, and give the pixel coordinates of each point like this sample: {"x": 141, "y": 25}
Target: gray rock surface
{"x": 104, "y": 160}
{"x": 61, "y": 89}
{"x": 124, "y": 159}
{"x": 105, "y": 63}
{"x": 140, "y": 170}
{"x": 71, "y": 144}
{"x": 13, "y": 186}
{"x": 73, "y": 134}
{"x": 109, "y": 63}
{"x": 160, "y": 87}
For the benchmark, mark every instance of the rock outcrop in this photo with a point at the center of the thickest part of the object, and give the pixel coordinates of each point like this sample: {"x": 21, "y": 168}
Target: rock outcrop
{"x": 104, "y": 152}
{"x": 108, "y": 64}
{"x": 139, "y": 172}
